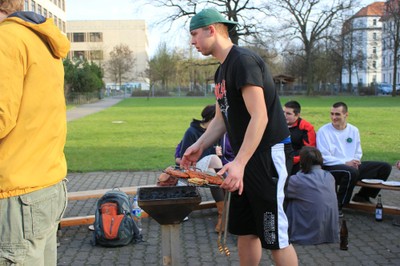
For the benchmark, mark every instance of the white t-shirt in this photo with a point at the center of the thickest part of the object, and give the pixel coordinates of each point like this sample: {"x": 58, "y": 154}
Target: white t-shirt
{"x": 339, "y": 146}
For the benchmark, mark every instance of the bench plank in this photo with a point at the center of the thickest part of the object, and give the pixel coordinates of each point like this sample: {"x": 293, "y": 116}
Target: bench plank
{"x": 89, "y": 219}
{"x": 380, "y": 186}
{"x": 371, "y": 208}
{"x": 92, "y": 194}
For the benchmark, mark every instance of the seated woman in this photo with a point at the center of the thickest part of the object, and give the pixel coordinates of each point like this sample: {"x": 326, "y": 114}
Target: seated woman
{"x": 312, "y": 204}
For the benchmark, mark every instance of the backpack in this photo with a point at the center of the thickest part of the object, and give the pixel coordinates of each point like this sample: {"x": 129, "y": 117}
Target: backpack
{"x": 114, "y": 224}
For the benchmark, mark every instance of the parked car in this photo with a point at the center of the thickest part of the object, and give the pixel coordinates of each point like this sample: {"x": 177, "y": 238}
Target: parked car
{"x": 398, "y": 89}
{"x": 384, "y": 88}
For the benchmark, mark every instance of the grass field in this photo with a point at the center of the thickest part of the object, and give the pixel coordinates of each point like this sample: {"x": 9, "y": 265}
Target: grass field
{"x": 141, "y": 134}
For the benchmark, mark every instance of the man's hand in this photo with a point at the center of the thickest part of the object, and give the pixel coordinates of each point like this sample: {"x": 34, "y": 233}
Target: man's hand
{"x": 234, "y": 178}
{"x": 353, "y": 163}
{"x": 191, "y": 156}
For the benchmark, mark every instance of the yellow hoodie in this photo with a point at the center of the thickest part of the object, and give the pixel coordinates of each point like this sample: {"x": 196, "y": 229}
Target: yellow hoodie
{"x": 32, "y": 105}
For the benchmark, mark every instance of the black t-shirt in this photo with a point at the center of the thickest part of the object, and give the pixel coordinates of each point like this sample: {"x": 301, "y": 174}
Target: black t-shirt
{"x": 243, "y": 67}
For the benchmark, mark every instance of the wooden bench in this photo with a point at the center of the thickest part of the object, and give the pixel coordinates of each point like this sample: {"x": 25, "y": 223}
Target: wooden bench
{"x": 92, "y": 194}
{"x": 393, "y": 210}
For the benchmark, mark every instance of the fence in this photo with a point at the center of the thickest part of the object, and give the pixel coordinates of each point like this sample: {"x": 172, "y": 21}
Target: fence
{"x": 82, "y": 97}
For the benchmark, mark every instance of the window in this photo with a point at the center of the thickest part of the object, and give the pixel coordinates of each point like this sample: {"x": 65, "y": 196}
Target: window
{"x": 374, "y": 22}
{"x": 96, "y": 55}
{"x": 95, "y": 37}
{"x": 26, "y": 5}
{"x": 33, "y": 6}
{"x": 374, "y": 50}
{"x": 374, "y": 36}
{"x": 79, "y": 54}
{"x": 78, "y": 37}
{"x": 39, "y": 9}
{"x": 374, "y": 64}
{"x": 45, "y": 12}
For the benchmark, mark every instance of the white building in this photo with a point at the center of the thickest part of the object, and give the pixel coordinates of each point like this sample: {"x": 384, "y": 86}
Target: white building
{"x": 50, "y": 9}
{"x": 362, "y": 36}
{"x": 95, "y": 39}
{"x": 388, "y": 41}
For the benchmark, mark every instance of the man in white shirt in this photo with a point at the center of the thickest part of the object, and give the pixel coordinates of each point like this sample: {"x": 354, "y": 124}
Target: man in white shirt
{"x": 340, "y": 146}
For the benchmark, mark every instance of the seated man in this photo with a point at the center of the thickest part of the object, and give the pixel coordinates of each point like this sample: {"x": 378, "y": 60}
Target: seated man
{"x": 302, "y": 132}
{"x": 312, "y": 210}
{"x": 340, "y": 145}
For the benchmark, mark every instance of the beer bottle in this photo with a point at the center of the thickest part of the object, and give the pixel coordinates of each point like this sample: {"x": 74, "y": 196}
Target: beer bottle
{"x": 344, "y": 236}
{"x": 379, "y": 210}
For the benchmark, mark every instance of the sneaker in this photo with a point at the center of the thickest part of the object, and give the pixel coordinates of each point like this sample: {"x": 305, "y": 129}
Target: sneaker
{"x": 341, "y": 215}
{"x": 361, "y": 199}
{"x": 186, "y": 218}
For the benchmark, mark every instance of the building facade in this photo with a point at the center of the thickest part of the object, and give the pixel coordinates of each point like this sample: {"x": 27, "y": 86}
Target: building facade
{"x": 95, "y": 39}
{"x": 390, "y": 42}
{"x": 50, "y": 9}
{"x": 362, "y": 46}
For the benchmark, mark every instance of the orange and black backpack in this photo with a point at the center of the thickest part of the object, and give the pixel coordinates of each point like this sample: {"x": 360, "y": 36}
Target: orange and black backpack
{"x": 114, "y": 225}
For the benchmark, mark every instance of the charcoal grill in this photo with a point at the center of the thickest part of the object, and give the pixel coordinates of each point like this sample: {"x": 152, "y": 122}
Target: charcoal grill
{"x": 169, "y": 206}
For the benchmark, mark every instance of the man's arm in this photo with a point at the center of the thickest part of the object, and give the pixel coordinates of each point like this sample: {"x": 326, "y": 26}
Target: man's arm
{"x": 11, "y": 87}
{"x": 310, "y": 138}
{"x": 323, "y": 145}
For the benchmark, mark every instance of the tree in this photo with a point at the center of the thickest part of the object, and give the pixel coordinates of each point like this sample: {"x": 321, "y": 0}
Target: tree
{"x": 162, "y": 67}
{"x": 307, "y": 21}
{"x": 391, "y": 37}
{"x": 249, "y": 14}
{"x": 82, "y": 76}
{"x": 120, "y": 66}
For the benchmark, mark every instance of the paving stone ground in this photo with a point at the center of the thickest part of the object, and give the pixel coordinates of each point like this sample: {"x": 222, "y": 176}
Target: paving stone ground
{"x": 370, "y": 242}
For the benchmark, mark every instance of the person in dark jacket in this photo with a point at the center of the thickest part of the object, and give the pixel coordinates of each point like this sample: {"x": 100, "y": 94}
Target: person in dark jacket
{"x": 212, "y": 159}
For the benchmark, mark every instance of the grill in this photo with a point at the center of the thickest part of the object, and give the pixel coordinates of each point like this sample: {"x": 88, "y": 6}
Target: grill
{"x": 169, "y": 206}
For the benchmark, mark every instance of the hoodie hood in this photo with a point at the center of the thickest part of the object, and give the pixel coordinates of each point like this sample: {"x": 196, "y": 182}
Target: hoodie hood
{"x": 46, "y": 30}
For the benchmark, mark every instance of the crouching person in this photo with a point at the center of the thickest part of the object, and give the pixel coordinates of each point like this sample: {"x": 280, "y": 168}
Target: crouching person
{"x": 312, "y": 204}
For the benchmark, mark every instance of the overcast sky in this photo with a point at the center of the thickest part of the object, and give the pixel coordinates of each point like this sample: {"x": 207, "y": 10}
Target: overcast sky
{"x": 127, "y": 9}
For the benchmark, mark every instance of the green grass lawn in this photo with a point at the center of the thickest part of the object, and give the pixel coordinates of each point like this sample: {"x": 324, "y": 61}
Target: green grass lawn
{"x": 141, "y": 134}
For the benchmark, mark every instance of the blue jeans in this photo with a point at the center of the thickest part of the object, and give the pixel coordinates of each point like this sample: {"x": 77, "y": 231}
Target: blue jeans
{"x": 28, "y": 226}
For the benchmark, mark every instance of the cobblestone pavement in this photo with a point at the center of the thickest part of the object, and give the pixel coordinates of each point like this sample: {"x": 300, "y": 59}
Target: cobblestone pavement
{"x": 370, "y": 242}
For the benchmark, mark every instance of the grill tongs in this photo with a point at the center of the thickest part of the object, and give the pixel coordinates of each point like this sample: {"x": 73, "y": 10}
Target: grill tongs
{"x": 224, "y": 225}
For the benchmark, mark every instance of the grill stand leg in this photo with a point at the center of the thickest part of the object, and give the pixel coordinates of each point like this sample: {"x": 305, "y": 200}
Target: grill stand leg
{"x": 171, "y": 246}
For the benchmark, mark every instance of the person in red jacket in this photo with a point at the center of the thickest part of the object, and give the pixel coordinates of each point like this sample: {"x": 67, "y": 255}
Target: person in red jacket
{"x": 302, "y": 132}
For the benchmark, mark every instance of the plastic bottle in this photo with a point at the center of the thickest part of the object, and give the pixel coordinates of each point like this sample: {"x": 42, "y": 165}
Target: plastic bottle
{"x": 344, "y": 236}
{"x": 137, "y": 213}
{"x": 379, "y": 210}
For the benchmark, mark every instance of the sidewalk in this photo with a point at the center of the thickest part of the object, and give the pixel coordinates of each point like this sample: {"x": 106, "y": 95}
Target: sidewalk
{"x": 370, "y": 242}
{"x": 91, "y": 108}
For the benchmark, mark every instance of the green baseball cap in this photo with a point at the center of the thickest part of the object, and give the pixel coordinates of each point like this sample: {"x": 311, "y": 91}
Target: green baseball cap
{"x": 210, "y": 16}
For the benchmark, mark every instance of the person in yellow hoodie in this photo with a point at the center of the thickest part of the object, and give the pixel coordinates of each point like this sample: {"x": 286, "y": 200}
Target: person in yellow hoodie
{"x": 33, "y": 194}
